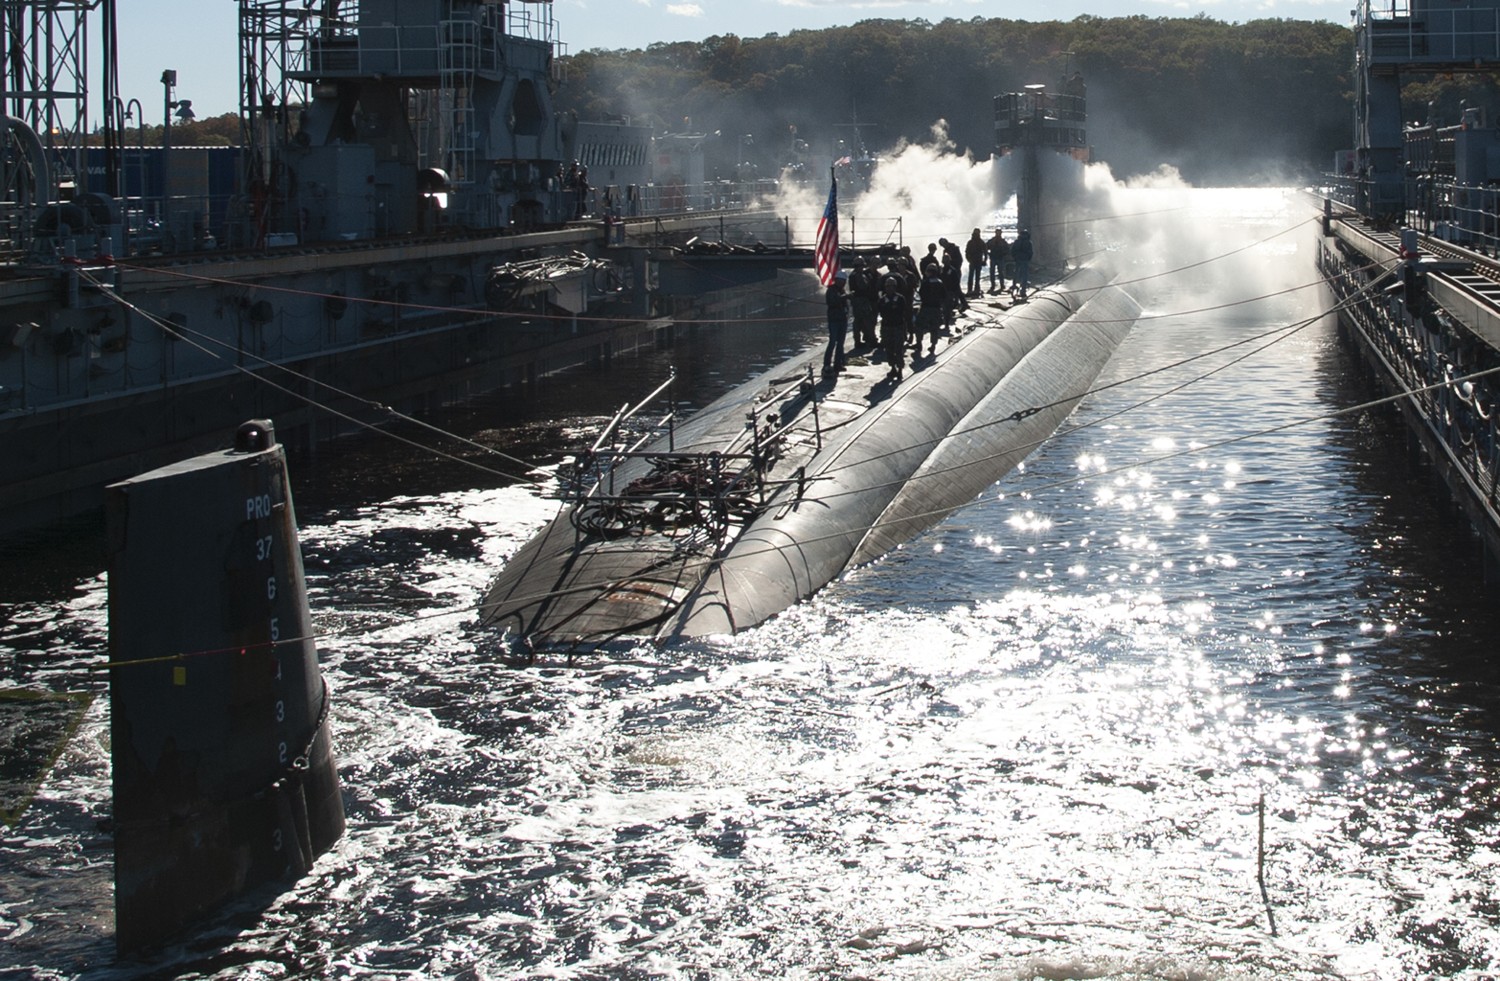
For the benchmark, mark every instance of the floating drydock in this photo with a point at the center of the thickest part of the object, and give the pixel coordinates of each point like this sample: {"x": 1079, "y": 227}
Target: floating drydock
{"x": 771, "y": 492}
{"x": 1409, "y": 250}
{"x": 398, "y": 230}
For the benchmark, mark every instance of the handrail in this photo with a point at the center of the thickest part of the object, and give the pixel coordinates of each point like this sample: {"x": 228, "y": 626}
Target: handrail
{"x": 689, "y": 490}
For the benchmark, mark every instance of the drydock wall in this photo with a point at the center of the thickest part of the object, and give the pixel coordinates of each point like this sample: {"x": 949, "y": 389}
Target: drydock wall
{"x": 1425, "y": 350}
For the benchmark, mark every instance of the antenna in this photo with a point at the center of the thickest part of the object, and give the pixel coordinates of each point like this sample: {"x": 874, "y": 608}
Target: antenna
{"x": 856, "y": 125}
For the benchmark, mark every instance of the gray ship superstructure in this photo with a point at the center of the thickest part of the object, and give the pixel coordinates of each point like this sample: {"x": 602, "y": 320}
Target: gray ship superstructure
{"x": 1411, "y": 229}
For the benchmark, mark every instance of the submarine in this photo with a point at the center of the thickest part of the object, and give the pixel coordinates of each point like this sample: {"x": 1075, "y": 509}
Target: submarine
{"x": 784, "y": 483}
{"x": 713, "y": 524}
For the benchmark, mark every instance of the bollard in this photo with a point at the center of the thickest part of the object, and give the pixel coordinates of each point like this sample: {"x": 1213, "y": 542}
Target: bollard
{"x": 224, "y": 777}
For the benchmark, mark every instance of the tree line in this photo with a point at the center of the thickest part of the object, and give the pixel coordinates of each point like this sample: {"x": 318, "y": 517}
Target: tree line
{"x": 1224, "y": 103}
{"x": 221, "y": 130}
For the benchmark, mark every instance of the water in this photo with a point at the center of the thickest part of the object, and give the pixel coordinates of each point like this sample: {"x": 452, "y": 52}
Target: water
{"x": 1033, "y": 743}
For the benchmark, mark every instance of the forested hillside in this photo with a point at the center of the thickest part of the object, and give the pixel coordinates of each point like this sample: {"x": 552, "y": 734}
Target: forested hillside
{"x": 1222, "y": 102}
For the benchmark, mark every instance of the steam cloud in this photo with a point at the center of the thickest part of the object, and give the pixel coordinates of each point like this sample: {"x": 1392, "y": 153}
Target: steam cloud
{"x": 1156, "y": 223}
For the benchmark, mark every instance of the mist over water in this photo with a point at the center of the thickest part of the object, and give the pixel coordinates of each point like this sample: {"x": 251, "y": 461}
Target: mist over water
{"x": 1032, "y": 743}
{"x": 917, "y": 193}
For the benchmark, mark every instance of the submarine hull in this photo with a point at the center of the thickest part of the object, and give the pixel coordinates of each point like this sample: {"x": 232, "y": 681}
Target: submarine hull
{"x": 864, "y": 466}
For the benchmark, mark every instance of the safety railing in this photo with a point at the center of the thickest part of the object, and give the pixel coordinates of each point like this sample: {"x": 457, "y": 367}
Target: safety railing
{"x": 1466, "y": 214}
{"x": 693, "y": 497}
{"x": 855, "y": 232}
{"x": 1399, "y": 31}
{"x": 1432, "y": 363}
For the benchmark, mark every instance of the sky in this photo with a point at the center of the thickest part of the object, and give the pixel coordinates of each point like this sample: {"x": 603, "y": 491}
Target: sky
{"x": 198, "y": 38}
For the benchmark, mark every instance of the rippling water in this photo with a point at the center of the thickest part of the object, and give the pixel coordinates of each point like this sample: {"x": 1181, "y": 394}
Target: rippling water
{"x": 1033, "y": 743}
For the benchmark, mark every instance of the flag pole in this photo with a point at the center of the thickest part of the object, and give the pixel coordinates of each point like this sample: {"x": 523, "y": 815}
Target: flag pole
{"x": 826, "y": 252}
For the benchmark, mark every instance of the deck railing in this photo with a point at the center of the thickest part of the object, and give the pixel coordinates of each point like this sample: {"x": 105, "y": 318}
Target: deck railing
{"x": 693, "y": 496}
{"x": 1467, "y": 214}
{"x": 1463, "y": 413}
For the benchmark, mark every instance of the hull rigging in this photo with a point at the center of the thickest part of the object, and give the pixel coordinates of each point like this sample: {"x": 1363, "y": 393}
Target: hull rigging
{"x": 784, "y": 483}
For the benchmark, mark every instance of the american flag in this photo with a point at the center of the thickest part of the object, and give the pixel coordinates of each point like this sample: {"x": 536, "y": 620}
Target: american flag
{"x": 827, "y": 250}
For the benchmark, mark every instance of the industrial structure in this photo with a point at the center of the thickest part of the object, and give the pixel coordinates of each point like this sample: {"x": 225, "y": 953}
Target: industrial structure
{"x": 1412, "y": 246}
{"x": 398, "y": 160}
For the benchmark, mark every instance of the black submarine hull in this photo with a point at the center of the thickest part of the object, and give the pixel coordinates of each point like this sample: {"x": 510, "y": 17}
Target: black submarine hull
{"x": 871, "y": 466}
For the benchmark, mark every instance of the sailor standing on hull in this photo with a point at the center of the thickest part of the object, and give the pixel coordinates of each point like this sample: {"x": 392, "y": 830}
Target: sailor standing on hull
{"x": 908, "y": 280}
{"x": 952, "y": 254}
{"x": 953, "y": 292}
{"x": 864, "y": 294}
{"x": 933, "y": 295}
{"x": 895, "y": 313}
{"x": 838, "y": 325}
{"x": 999, "y": 250}
{"x": 975, "y": 252}
{"x": 1020, "y": 254}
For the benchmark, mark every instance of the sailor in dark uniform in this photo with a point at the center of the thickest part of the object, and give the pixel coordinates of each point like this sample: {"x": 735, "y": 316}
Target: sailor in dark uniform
{"x": 838, "y": 325}
{"x": 934, "y": 297}
{"x": 1020, "y": 254}
{"x": 895, "y": 314}
{"x": 864, "y": 293}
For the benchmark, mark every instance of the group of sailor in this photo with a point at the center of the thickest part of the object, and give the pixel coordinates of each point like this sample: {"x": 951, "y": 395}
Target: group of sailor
{"x": 912, "y": 300}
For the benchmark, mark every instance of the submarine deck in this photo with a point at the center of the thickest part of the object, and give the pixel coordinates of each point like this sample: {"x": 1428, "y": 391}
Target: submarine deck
{"x": 762, "y": 498}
